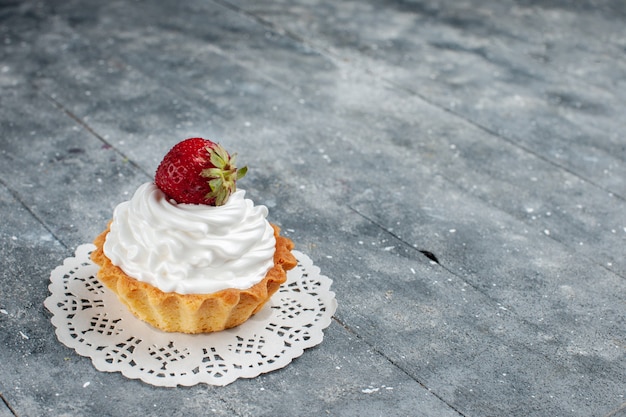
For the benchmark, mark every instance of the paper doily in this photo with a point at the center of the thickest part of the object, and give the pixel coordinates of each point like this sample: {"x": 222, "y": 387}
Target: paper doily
{"x": 90, "y": 319}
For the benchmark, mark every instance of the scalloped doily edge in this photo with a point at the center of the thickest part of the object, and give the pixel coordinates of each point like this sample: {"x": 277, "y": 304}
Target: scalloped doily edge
{"x": 81, "y": 260}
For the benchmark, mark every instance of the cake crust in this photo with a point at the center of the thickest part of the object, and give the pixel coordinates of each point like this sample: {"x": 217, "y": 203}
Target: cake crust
{"x": 194, "y": 313}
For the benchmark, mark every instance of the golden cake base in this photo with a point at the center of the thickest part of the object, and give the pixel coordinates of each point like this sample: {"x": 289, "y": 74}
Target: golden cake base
{"x": 194, "y": 313}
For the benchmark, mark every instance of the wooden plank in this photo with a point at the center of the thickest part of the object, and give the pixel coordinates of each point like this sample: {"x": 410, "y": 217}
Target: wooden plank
{"x": 576, "y": 213}
{"x": 5, "y": 411}
{"x": 368, "y": 187}
{"x": 47, "y": 378}
{"x": 342, "y": 374}
{"x": 491, "y": 64}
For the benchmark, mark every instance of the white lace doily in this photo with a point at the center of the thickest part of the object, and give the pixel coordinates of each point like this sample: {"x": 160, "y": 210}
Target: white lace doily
{"x": 90, "y": 319}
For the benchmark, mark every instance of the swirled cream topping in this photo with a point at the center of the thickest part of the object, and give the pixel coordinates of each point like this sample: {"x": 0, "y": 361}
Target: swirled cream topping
{"x": 190, "y": 248}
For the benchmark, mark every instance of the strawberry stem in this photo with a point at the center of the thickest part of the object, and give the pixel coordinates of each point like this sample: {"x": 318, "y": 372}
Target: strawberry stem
{"x": 222, "y": 176}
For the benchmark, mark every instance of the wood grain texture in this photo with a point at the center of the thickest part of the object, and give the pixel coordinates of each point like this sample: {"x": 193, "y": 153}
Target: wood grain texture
{"x": 381, "y": 135}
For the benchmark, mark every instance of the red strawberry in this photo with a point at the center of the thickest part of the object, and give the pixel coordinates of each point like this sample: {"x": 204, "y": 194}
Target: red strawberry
{"x": 198, "y": 171}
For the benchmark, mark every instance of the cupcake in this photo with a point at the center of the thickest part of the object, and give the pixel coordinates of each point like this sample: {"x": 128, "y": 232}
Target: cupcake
{"x": 189, "y": 253}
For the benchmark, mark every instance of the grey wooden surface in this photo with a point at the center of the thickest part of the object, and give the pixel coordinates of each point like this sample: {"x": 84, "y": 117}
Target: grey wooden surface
{"x": 490, "y": 134}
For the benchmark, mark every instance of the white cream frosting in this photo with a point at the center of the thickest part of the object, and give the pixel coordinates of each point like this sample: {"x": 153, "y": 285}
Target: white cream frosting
{"x": 190, "y": 248}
